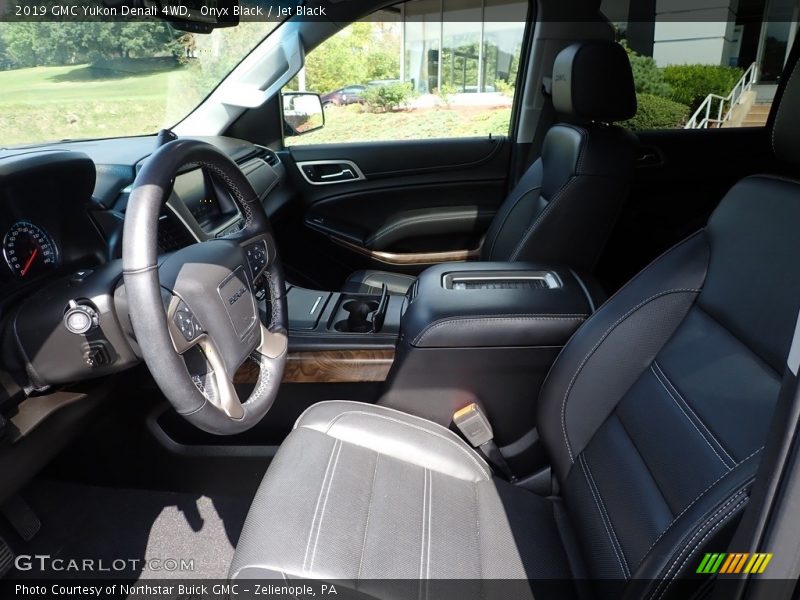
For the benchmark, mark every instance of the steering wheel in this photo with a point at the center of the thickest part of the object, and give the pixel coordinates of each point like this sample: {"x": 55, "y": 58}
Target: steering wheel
{"x": 194, "y": 312}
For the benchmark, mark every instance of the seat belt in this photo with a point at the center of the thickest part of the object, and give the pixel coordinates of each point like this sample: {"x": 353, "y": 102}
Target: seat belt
{"x": 770, "y": 524}
{"x": 473, "y": 424}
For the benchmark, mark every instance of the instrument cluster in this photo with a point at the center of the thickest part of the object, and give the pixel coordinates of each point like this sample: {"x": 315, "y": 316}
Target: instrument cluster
{"x": 29, "y": 250}
{"x": 46, "y": 225}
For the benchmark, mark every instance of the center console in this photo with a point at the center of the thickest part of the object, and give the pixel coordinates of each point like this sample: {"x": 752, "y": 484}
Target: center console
{"x": 486, "y": 333}
{"x": 335, "y": 320}
{"x": 467, "y": 332}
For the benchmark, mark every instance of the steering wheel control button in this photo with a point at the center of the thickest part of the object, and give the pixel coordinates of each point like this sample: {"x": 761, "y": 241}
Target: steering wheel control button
{"x": 186, "y": 323}
{"x": 80, "y": 319}
{"x": 256, "y": 257}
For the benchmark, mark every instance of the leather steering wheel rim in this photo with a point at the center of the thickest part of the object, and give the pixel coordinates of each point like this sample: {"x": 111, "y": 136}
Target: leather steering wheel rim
{"x": 203, "y": 296}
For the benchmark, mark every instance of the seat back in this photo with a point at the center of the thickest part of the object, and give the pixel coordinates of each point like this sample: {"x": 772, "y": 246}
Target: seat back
{"x": 565, "y": 205}
{"x": 656, "y": 412}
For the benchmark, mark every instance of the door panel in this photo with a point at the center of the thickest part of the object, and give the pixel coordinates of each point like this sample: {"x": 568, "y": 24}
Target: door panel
{"x": 680, "y": 178}
{"x": 419, "y": 202}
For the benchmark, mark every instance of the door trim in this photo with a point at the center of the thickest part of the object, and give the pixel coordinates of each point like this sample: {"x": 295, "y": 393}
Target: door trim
{"x": 411, "y": 258}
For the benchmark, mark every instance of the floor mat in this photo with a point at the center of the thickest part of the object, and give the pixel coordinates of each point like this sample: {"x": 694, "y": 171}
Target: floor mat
{"x": 132, "y": 534}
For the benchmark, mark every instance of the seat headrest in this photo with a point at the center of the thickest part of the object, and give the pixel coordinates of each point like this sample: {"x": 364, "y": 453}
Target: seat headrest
{"x": 786, "y": 127}
{"x": 592, "y": 80}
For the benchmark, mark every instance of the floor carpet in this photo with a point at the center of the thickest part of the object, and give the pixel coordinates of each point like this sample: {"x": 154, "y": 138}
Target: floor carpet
{"x": 141, "y": 529}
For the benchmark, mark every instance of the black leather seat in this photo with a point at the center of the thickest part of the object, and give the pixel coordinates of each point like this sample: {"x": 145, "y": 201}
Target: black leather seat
{"x": 562, "y": 210}
{"x": 654, "y": 417}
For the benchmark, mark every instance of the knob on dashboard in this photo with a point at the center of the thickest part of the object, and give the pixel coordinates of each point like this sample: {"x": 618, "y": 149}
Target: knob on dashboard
{"x": 80, "y": 318}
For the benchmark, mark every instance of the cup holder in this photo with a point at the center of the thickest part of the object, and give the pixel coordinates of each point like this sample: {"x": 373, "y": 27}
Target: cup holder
{"x": 358, "y": 316}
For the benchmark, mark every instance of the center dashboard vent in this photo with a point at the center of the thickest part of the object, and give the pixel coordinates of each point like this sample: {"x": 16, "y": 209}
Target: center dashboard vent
{"x": 265, "y": 154}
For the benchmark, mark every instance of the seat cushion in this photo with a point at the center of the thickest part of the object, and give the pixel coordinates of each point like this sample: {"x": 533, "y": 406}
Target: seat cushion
{"x": 359, "y": 492}
{"x": 371, "y": 282}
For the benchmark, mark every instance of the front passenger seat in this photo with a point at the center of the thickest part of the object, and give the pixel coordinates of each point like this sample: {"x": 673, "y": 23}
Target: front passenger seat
{"x": 563, "y": 208}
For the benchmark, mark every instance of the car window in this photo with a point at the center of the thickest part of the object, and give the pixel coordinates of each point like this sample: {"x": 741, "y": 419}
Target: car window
{"x": 422, "y": 69}
{"x": 95, "y": 79}
{"x": 705, "y": 74}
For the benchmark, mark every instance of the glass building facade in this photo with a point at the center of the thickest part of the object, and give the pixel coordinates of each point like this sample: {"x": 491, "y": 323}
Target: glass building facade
{"x": 724, "y": 32}
{"x": 468, "y": 46}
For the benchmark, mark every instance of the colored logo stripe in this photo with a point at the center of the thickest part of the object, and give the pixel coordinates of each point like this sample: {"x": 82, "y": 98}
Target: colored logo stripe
{"x": 734, "y": 562}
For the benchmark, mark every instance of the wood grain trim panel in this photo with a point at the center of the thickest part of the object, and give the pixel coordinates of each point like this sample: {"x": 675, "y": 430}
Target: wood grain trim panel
{"x": 330, "y": 366}
{"x": 411, "y": 258}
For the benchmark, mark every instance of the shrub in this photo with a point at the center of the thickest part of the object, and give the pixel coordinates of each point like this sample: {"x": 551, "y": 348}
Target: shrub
{"x": 505, "y": 88}
{"x": 446, "y": 93}
{"x": 388, "y": 97}
{"x": 649, "y": 79}
{"x": 647, "y": 76}
{"x": 692, "y": 83}
{"x": 657, "y": 113}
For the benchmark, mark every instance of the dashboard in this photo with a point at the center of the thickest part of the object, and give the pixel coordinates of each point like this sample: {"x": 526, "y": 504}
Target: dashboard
{"x": 64, "y": 326}
{"x": 62, "y": 210}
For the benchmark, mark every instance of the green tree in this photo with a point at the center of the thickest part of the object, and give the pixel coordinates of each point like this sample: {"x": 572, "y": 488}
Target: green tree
{"x": 359, "y": 53}
{"x": 40, "y": 43}
{"x": 647, "y": 76}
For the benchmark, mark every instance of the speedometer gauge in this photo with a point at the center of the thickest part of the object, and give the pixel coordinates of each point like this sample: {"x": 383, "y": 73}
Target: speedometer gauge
{"x": 29, "y": 250}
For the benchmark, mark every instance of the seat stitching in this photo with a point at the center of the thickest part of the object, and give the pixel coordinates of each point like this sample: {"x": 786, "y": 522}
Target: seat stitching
{"x": 716, "y": 511}
{"x": 688, "y": 418}
{"x": 324, "y": 504}
{"x": 422, "y": 540}
{"x": 605, "y": 511}
{"x": 547, "y": 209}
{"x": 602, "y": 506}
{"x": 689, "y": 554}
{"x": 369, "y": 512}
{"x": 508, "y": 214}
{"x": 430, "y": 527}
{"x": 478, "y": 538}
{"x": 582, "y": 462}
{"x": 478, "y": 319}
{"x": 398, "y": 421}
{"x": 670, "y": 387}
{"x": 667, "y": 582}
{"x": 584, "y": 133}
{"x": 597, "y": 345}
{"x": 319, "y": 499}
{"x": 693, "y": 502}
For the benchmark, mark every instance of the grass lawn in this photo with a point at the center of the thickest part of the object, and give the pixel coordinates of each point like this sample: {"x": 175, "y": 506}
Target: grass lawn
{"x": 354, "y": 124}
{"x": 81, "y": 101}
{"x": 136, "y": 97}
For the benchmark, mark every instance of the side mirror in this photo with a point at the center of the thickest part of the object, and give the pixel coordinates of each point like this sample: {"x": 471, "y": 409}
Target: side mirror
{"x": 302, "y": 113}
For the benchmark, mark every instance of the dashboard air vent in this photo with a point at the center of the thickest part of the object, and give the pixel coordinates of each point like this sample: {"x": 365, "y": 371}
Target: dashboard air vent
{"x": 265, "y": 154}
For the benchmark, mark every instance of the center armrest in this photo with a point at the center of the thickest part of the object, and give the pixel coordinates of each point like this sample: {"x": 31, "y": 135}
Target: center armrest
{"x": 473, "y": 305}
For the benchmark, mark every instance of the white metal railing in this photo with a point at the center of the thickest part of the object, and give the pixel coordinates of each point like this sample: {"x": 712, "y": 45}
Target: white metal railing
{"x": 716, "y": 110}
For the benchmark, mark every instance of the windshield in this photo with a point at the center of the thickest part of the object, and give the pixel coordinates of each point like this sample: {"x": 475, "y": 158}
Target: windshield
{"x": 98, "y": 80}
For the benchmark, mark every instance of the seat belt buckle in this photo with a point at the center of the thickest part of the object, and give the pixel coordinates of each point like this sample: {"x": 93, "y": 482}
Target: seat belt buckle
{"x": 473, "y": 425}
